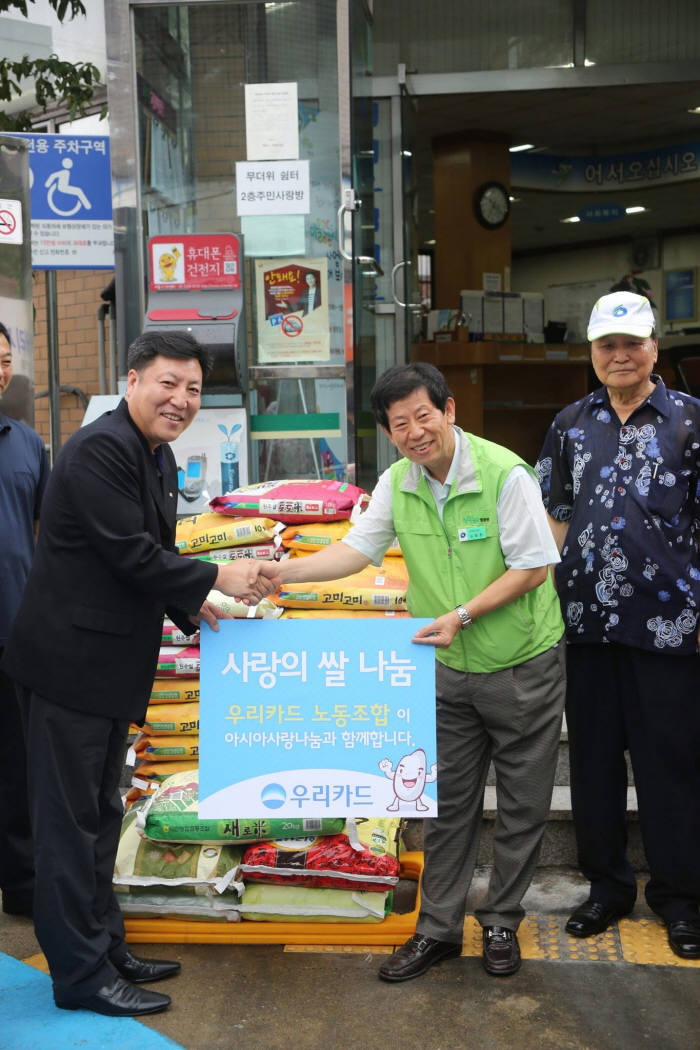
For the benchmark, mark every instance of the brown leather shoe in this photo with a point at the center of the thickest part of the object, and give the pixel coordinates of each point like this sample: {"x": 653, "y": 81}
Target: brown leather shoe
{"x": 416, "y": 956}
{"x": 501, "y": 956}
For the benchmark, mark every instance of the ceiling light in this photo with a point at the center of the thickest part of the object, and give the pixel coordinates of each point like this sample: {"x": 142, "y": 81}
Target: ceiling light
{"x": 696, "y": 109}
{"x": 572, "y": 218}
{"x": 519, "y": 149}
{"x": 635, "y": 209}
{"x": 406, "y": 153}
{"x": 513, "y": 199}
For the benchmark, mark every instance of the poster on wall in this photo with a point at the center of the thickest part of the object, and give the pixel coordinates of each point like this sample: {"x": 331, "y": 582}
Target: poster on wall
{"x": 680, "y": 295}
{"x": 273, "y": 187}
{"x": 211, "y": 457}
{"x": 195, "y": 261}
{"x": 292, "y": 310}
{"x": 271, "y": 121}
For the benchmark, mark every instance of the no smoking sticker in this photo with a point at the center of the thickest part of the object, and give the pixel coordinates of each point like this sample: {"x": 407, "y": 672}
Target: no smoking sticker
{"x": 292, "y": 326}
{"x": 10, "y": 222}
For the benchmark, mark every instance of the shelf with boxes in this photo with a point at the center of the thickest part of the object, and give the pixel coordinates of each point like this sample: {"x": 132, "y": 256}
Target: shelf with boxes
{"x": 509, "y": 392}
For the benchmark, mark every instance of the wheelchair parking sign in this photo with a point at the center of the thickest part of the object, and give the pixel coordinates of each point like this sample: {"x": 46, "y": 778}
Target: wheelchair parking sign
{"x": 70, "y": 202}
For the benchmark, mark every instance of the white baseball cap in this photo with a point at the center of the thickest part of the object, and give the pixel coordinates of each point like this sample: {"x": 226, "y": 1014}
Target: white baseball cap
{"x": 621, "y": 312}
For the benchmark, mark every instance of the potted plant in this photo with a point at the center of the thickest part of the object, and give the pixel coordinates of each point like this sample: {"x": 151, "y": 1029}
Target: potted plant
{"x": 632, "y": 282}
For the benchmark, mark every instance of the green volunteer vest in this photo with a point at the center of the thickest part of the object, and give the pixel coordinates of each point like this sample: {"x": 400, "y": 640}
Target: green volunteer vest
{"x": 451, "y": 561}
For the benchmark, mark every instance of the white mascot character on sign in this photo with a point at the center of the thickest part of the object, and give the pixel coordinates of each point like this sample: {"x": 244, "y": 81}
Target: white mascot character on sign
{"x": 409, "y": 779}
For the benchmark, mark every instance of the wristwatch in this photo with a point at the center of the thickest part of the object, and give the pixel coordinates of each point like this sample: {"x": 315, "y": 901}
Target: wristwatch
{"x": 465, "y": 619}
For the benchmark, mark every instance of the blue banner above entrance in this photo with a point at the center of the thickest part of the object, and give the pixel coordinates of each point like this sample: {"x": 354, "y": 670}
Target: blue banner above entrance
{"x": 616, "y": 171}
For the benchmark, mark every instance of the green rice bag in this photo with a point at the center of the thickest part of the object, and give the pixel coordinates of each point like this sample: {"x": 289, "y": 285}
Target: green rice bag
{"x": 264, "y": 902}
{"x": 171, "y": 815}
{"x": 190, "y": 867}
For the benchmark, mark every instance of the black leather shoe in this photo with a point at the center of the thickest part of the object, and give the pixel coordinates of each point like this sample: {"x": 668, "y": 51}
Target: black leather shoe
{"x": 501, "y": 955}
{"x": 592, "y": 917}
{"x": 684, "y": 938}
{"x": 140, "y": 971}
{"x": 416, "y": 956}
{"x": 119, "y": 999}
{"x": 18, "y": 902}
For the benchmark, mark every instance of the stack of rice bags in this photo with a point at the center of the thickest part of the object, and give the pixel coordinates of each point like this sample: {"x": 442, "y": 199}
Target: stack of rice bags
{"x": 318, "y": 513}
{"x": 169, "y": 740}
{"x": 172, "y": 863}
{"x": 183, "y": 880}
{"x": 316, "y": 869}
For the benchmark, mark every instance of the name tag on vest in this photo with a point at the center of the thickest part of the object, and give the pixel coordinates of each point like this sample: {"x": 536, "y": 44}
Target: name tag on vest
{"x": 472, "y": 532}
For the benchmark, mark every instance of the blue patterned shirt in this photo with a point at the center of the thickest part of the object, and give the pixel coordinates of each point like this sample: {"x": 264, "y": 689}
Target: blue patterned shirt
{"x": 630, "y": 568}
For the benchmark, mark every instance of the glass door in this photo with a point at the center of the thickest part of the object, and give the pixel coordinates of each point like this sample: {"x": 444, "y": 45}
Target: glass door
{"x": 365, "y": 267}
{"x": 405, "y": 286}
{"x": 356, "y": 232}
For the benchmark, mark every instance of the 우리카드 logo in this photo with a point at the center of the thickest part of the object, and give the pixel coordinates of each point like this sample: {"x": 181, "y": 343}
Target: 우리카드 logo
{"x": 273, "y": 796}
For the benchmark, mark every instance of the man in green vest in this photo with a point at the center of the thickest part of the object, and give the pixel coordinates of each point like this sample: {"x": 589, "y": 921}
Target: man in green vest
{"x": 469, "y": 519}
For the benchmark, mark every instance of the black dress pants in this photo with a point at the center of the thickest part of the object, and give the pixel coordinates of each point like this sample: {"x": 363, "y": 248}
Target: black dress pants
{"x": 16, "y": 853}
{"x": 648, "y": 703}
{"x": 75, "y": 761}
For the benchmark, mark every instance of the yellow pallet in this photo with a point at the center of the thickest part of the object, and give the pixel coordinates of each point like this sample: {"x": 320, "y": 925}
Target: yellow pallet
{"x": 393, "y": 930}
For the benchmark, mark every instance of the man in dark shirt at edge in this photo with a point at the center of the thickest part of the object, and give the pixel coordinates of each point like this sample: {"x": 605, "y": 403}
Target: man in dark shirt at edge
{"x": 24, "y": 470}
{"x": 620, "y": 475}
{"x": 83, "y": 651}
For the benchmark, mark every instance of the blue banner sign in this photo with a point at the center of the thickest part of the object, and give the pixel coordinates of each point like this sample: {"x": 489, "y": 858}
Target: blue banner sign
{"x": 70, "y": 201}
{"x": 617, "y": 171}
{"x": 316, "y": 718}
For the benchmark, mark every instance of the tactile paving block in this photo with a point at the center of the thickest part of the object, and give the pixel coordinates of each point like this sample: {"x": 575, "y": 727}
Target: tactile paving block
{"x": 543, "y": 937}
{"x": 540, "y": 937}
{"x": 641, "y": 941}
{"x": 645, "y": 941}
{"x": 602, "y": 947}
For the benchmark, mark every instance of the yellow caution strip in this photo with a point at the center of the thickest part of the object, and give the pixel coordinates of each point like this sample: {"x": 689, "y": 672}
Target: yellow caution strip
{"x": 543, "y": 937}
{"x": 640, "y": 941}
{"x": 645, "y": 941}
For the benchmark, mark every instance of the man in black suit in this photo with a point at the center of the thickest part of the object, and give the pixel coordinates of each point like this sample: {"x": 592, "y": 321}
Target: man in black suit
{"x": 83, "y": 652}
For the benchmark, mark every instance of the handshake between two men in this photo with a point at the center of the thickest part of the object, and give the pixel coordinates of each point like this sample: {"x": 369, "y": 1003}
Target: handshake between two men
{"x": 249, "y": 581}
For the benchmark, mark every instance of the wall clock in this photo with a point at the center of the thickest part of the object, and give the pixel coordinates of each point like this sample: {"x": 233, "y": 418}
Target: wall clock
{"x": 492, "y": 204}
